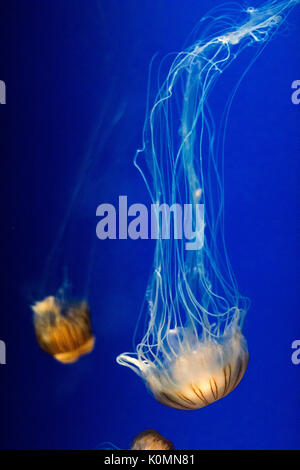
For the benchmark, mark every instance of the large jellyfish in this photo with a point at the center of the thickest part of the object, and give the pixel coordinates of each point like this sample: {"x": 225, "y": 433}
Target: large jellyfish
{"x": 193, "y": 351}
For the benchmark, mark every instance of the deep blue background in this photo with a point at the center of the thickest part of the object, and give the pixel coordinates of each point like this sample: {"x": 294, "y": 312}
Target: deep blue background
{"x": 71, "y": 67}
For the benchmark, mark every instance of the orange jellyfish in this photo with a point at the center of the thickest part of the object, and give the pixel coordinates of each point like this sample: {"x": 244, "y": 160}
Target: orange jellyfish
{"x": 151, "y": 440}
{"x": 63, "y": 329}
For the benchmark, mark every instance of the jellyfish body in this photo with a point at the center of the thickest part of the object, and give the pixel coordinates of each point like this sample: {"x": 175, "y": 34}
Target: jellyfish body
{"x": 151, "y": 440}
{"x": 192, "y": 351}
{"x": 63, "y": 329}
{"x": 200, "y": 375}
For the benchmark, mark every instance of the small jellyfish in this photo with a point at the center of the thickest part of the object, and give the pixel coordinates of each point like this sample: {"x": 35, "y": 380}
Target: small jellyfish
{"x": 151, "y": 440}
{"x": 63, "y": 329}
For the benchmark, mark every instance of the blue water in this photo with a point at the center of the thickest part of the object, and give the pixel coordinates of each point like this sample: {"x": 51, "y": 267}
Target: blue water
{"x": 72, "y": 69}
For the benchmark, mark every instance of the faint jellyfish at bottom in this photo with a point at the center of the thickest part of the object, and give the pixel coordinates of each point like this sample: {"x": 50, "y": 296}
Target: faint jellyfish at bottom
{"x": 151, "y": 440}
{"x": 145, "y": 440}
{"x": 63, "y": 328}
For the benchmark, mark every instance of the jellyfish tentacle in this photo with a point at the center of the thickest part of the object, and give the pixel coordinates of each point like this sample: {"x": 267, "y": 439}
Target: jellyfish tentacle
{"x": 193, "y": 351}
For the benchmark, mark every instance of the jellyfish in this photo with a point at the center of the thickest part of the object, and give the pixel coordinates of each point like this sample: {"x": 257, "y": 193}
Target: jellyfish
{"x": 192, "y": 351}
{"x": 63, "y": 328}
{"x": 62, "y": 325}
{"x": 145, "y": 440}
{"x": 151, "y": 440}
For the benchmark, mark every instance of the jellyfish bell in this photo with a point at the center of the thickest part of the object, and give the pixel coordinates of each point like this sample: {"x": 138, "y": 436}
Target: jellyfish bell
{"x": 145, "y": 440}
{"x": 199, "y": 376}
{"x": 63, "y": 328}
{"x": 151, "y": 440}
{"x": 191, "y": 373}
